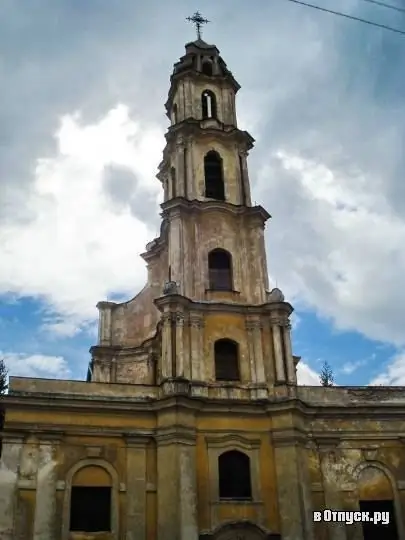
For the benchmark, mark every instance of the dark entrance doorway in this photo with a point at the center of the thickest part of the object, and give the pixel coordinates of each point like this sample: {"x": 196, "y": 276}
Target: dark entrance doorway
{"x": 379, "y": 531}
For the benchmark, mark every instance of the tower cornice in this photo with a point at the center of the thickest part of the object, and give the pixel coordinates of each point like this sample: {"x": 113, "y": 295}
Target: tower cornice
{"x": 180, "y": 204}
{"x": 208, "y": 128}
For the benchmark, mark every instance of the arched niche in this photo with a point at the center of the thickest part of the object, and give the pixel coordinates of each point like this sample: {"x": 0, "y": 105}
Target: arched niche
{"x": 96, "y": 472}
{"x": 375, "y": 482}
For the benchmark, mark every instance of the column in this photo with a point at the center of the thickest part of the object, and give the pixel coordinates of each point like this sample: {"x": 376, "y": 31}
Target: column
{"x": 331, "y": 486}
{"x": 9, "y": 464}
{"x": 179, "y": 345}
{"x": 291, "y": 374}
{"x": 278, "y": 353}
{"x": 166, "y": 367}
{"x": 45, "y": 505}
{"x": 136, "y": 489}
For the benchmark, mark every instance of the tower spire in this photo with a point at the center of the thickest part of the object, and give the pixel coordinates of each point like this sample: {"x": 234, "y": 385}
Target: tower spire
{"x": 198, "y": 20}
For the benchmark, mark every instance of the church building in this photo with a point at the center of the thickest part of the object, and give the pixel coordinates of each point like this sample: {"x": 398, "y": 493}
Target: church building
{"x": 191, "y": 425}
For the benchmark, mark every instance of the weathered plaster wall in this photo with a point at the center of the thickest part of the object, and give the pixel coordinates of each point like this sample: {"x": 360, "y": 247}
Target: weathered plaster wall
{"x": 300, "y": 462}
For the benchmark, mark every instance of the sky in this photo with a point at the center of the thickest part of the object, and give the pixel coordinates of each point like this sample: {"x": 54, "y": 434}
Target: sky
{"x": 82, "y": 126}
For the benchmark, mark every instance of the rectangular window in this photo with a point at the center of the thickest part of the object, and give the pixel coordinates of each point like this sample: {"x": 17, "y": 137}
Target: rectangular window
{"x": 90, "y": 509}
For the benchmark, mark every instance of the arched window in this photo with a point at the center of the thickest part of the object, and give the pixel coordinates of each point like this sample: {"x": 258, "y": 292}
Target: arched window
{"x": 207, "y": 67}
{"x": 214, "y": 181}
{"x": 90, "y": 502}
{"x": 173, "y": 181}
{"x": 226, "y": 357}
{"x": 220, "y": 270}
{"x": 234, "y": 475}
{"x": 174, "y": 114}
{"x": 209, "y": 104}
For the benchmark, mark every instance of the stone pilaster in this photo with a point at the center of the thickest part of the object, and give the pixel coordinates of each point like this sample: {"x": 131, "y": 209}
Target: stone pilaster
{"x": 179, "y": 318}
{"x": 289, "y": 360}
{"x": 196, "y": 346}
{"x": 176, "y": 487}
{"x": 278, "y": 353}
{"x": 295, "y": 516}
{"x": 328, "y": 455}
{"x": 251, "y": 350}
{"x": 254, "y": 328}
{"x": 180, "y": 177}
{"x": 136, "y": 489}
{"x": 45, "y": 506}
{"x": 105, "y": 323}
{"x": 258, "y": 348}
{"x": 188, "y": 493}
{"x": 176, "y": 250}
{"x": 245, "y": 178}
{"x": 9, "y": 464}
{"x": 166, "y": 368}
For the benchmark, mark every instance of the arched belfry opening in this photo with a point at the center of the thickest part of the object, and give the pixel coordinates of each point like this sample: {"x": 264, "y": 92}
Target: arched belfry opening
{"x": 226, "y": 359}
{"x": 220, "y": 270}
{"x": 207, "y": 68}
{"x": 208, "y": 104}
{"x": 234, "y": 475}
{"x": 214, "y": 180}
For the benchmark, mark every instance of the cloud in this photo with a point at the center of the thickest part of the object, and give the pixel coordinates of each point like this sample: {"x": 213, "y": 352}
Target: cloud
{"x": 306, "y": 375}
{"x": 80, "y": 245}
{"x": 323, "y": 96}
{"x": 36, "y": 365}
{"x": 394, "y": 373}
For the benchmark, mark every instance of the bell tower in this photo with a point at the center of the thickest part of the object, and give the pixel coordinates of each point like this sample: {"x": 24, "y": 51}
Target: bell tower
{"x": 221, "y": 327}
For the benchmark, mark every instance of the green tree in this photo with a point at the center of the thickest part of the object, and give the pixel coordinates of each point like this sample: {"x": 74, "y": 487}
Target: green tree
{"x": 326, "y": 376}
{"x": 3, "y": 377}
{"x": 3, "y": 389}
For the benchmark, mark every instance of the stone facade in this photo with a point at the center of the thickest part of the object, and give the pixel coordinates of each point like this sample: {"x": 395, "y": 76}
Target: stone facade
{"x": 154, "y": 417}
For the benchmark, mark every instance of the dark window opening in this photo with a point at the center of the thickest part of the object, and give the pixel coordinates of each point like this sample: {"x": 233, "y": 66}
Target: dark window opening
{"x": 90, "y": 509}
{"x": 226, "y": 360}
{"x": 220, "y": 270}
{"x": 234, "y": 476}
{"x": 207, "y": 68}
{"x": 214, "y": 182}
{"x": 376, "y": 531}
{"x": 209, "y": 104}
{"x": 173, "y": 181}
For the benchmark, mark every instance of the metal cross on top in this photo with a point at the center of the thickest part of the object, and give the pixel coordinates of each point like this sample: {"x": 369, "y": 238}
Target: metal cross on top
{"x": 198, "y": 20}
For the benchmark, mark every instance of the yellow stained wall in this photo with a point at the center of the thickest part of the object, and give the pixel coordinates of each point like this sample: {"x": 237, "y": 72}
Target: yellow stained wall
{"x": 373, "y": 483}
